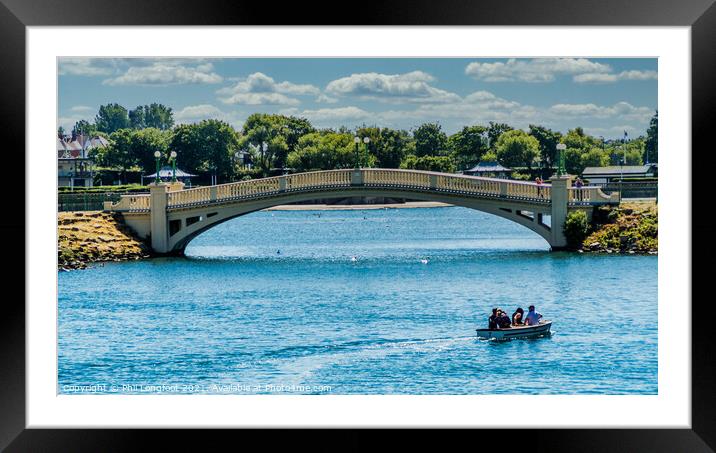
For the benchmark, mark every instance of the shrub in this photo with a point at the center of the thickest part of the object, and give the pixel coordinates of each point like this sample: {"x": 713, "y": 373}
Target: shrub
{"x": 576, "y": 228}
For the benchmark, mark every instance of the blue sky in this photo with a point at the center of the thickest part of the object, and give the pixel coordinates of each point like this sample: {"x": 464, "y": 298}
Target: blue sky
{"x": 605, "y": 96}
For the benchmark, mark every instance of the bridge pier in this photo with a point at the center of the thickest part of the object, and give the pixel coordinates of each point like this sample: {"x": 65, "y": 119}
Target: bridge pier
{"x": 560, "y": 207}
{"x": 158, "y": 214}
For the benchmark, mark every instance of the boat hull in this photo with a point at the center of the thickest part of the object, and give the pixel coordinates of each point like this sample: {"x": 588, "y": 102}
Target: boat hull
{"x": 541, "y": 329}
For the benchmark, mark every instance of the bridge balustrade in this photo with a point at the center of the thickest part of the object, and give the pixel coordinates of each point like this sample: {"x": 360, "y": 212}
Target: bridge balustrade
{"x": 189, "y": 197}
{"x": 130, "y": 203}
{"x": 396, "y": 178}
{"x": 247, "y": 189}
{"x": 590, "y": 195}
{"x": 334, "y": 178}
{"x": 409, "y": 179}
{"x": 468, "y": 185}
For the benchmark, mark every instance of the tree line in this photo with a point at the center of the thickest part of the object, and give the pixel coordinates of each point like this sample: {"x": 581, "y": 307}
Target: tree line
{"x": 272, "y": 143}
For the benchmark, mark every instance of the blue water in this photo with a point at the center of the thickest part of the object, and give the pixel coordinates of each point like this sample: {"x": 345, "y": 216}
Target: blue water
{"x": 272, "y": 303}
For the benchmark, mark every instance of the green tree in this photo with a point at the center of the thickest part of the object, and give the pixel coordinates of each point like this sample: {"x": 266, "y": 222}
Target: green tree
{"x": 388, "y": 146}
{"x": 136, "y": 118}
{"x": 576, "y": 228}
{"x": 651, "y": 147}
{"x": 85, "y": 128}
{"x": 111, "y": 118}
{"x": 327, "y": 150}
{"x": 145, "y": 142}
{"x": 516, "y": 148}
{"x": 60, "y": 132}
{"x": 281, "y": 134}
{"x": 207, "y": 146}
{"x": 494, "y": 131}
{"x": 595, "y": 157}
{"x": 632, "y": 150}
{"x": 430, "y": 140}
{"x": 444, "y": 164}
{"x": 548, "y": 140}
{"x": 573, "y": 161}
{"x": 468, "y": 146}
{"x": 118, "y": 154}
{"x": 577, "y": 139}
{"x": 158, "y": 116}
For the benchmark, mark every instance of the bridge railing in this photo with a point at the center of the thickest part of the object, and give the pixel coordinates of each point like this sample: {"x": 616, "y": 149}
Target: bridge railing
{"x": 367, "y": 177}
{"x": 247, "y": 189}
{"x": 590, "y": 195}
{"x": 396, "y": 178}
{"x": 331, "y": 178}
{"x": 130, "y": 203}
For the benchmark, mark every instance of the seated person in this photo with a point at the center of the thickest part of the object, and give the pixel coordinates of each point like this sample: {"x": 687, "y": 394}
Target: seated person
{"x": 518, "y": 317}
{"x": 492, "y": 320}
{"x": 503, "y": 321}
{"x": 532, "y": 318}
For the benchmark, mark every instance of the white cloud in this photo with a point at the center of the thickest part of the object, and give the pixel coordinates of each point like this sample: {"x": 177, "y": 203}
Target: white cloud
{"x": 622, "y": 110}
{"x": 82, "y": 108}
{"x": 610, "y": 78}
{"x": 324, "y": 99}
{"x": 195, "y": 113}
{"x": 409, "y": 87}
{"x": 258, "y": 89}
{"x": 260, "y": 99}
{"x": 166, "y": 72}
{"x": 535, "y": 70}
{"x": 332, "y": 116}
{"x": 85, "y": 66}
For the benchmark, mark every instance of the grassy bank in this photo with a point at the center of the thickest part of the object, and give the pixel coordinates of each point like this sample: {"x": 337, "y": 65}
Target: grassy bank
{"x": 633, "y": 227}
{"x": 89, "y": 237}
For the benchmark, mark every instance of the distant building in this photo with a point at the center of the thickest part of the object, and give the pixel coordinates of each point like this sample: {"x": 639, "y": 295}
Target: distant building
{"x": 74, "y": 166}
{"x": 489, "y": 169}
{"x": 605, "y": 175}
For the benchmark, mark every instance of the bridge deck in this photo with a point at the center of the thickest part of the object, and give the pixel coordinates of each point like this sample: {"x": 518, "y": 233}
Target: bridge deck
{"x": 390, "y": 179}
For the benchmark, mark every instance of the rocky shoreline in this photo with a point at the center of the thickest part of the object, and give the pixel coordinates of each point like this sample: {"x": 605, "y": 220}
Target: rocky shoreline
{"x": 631, "y": 228}
{"x": 95, "y": 237}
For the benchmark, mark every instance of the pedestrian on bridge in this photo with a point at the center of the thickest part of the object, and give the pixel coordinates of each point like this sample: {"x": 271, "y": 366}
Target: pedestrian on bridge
{"x": 539, "y": 182}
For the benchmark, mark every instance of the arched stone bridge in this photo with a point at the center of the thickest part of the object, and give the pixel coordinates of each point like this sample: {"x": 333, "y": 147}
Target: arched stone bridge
{"x": 172, "y": 216}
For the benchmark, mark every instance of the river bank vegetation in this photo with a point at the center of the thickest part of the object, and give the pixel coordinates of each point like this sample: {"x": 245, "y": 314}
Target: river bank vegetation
{"x": 268, "y": 144}
{"x": 89, "y": 237}
{"x": 632, "y": 227}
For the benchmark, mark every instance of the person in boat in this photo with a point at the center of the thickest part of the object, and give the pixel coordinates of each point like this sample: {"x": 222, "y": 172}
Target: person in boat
{"x": 518, "y": 317}
{"x": 503, "y": 321}
{"x": 532, "y": 318}
{"x": 492, "y": 320}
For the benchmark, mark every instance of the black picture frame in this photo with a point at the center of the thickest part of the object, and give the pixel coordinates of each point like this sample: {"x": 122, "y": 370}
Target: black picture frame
{"x": 700, "y": 15}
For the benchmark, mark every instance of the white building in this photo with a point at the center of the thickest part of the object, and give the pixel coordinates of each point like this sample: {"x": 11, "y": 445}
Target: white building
{"x": 75, "y": 168}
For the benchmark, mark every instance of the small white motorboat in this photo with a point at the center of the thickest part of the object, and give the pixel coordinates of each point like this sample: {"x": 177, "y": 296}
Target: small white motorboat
{"x": 538, "y": 330}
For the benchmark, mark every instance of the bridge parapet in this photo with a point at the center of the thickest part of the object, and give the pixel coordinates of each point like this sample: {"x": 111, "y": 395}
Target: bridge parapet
{"x": 590, "y": 195}
{"x": 367, "y": 177}
{"x": 130, "y": 203}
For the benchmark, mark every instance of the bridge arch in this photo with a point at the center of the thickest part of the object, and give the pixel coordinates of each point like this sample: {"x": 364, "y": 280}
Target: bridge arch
{"x": 528, "y": 216}
{"x": 172, "y": 216}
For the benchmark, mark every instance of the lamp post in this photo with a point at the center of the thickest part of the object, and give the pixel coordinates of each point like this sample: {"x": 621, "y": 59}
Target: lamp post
{"x": 357, "y": 141}
{"x": 366, "y": 140}
{"x": 157, "y": 156}
{"x": 173, "y": 157}
{"x": 560, "y": 159}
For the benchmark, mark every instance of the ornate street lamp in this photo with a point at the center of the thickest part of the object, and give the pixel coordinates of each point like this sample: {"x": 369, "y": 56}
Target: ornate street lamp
{"x": 356, "y": 140}
{"x": 366, "y": 140}
{"x": 560, "y": 159}
{"x": 173, "y": 157}
{"x": 157, "y": 156}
